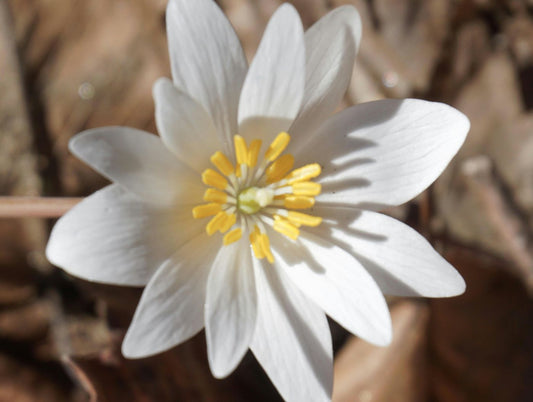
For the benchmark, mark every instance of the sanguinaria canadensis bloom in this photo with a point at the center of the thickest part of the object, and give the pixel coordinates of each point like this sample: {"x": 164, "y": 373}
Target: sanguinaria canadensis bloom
{"x": 253, "y": 214}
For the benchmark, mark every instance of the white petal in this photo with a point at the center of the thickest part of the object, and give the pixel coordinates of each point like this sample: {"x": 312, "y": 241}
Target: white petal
{"x": 399, "y": 259}
{"x": 385, "y": 152}
{"x": 184, "y": 125}
{"x": 292, "y": 341}
{"x": 140, "y": 162}
{"x": 112, "y": 237}
{"x": 207, "y": 60}
{"x": 337, "y": 282}
{"x": 330, "y": 48}
{"x": 231, "y": 308}
{"x": 171, "y": 309}
{"x": 274, "y": 87}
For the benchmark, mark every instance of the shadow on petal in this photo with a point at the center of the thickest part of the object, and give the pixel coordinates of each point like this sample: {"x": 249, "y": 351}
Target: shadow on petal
{"x": 303, "y": 331}
{"x": 344, "y": 125}
{"x": 287, "y": 248}
{"x": 263, "y": 128}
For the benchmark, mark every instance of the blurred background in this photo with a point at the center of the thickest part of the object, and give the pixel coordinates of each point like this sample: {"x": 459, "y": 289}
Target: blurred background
{"x": 69, "y": 65}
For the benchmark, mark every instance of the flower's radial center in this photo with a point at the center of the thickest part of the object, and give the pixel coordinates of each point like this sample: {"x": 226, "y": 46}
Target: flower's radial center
{"x": 253, "y": 194}
{"x": 252, "y": 199}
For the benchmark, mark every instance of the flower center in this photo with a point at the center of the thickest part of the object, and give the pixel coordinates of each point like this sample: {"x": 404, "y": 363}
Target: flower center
{"x": 247, "y": 196}
{"x": 252, "y": 199}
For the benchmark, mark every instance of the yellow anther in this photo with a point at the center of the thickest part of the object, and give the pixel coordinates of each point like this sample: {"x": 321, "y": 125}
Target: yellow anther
{"x": 298, "y": 202}
{"x": 297, "y": 218}
{"x": 264, "y": 241}
{"x": 236, "y": 189}
{"x": 277, "y": 170}
{"x": 233, "y": 236}
{"x": 256, "y": 246}
{"x": 286, "y": 228}
{"x": 229, "y": 221}
{"x": 253, "y": 152}
{"x": 278, "y": 146}
{"x": 215, "y": 223}
{"x": 222, "y": 163}
{"x": 241, "y": 150}
{"x": 202, "y": 211}
{"x": 214, "y": 179}
{"x": 304, "y": 173}
{"x": 217, "y": 196}
{"x": 308, "y": 188}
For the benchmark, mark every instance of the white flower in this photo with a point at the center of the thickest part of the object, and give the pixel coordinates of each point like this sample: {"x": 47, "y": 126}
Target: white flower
{"x": 266, "y": 283}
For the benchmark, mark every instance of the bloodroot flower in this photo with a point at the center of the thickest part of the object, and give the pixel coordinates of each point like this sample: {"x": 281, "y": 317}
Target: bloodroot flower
{"x": 253, "y": 212}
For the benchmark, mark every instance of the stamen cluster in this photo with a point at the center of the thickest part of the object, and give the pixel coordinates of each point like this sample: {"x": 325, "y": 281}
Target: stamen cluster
{"x": 242, "y": 198}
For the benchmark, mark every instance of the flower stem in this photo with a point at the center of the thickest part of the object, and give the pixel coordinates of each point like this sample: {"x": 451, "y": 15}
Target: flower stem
{"x": 35, "y": 207}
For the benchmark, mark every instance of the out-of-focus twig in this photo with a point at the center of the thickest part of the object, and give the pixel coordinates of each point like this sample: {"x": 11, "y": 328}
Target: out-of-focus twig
{"x": 480, "y": 177}
{"x": 35, "y": 207}
{"x": 365, "y": 373}
{"x": 81, "y": 377}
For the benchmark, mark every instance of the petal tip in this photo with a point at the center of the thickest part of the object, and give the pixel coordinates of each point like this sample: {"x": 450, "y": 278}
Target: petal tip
{"x": 129, "y": 351}
{"x": 456, "y": 287}
{"x": 464, "y": 123}
{"x": 287, "y": 10}
{"x": 74, "y": 142}
{"x": 220, "y": 371}
{"x": 133, "y": 348}
{"x": 459, "y": 121}
{"x": 353, "y": 18}
{"x": 384, "y": 337}
{"x": 160, "y": 85}
{"x": 87, "y": 143}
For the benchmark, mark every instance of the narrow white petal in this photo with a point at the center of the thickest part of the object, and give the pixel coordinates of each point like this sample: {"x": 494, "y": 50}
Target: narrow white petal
{"x": 112, "y": 237}
{"x": 385, "y": 152}
{"x": 171, "y": 309}
{"x": 292, "y": 341}
{"x": 184, "y": 125}
{"x": 330, "y": 48}
{"x": 337, "y": 282}
{"x": 207, "y": 60}
{"x": 231, "y": 308}
{"x": 399, "y": 259}
{"x": 274, "y": 87}
{"x": 139, "y": 162}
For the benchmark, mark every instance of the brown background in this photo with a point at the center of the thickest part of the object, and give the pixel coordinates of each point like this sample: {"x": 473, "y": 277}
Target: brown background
{"x": 68, "y": 65}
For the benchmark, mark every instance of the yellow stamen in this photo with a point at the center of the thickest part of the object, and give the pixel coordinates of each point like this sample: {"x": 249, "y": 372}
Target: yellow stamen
{"x": 256, "y": 246}
{"x": 241, "y": 150}
{"x": 264, "y": 241}
{"x": 278, "y": 146}
{"x": 279, "y": 168}
{"x": 214, "y": 179}
{"x": 286, "y": 228}
{"x": 304, "y": 173}
{"x": 229, "y": 221}
{"x": 233, "y": 236}
{"x": 222, "y": 163}
{"x": 298, "y": 202}
{"x": 205, "y": 210}
{"x": 215, "y": 223}
{"x": 239, "y": 189}
{"x": 303, "y": 219}
{"x": 217, "y": 196}
{"x": 308, "y": 188}
{"x": 253, "y": 152}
